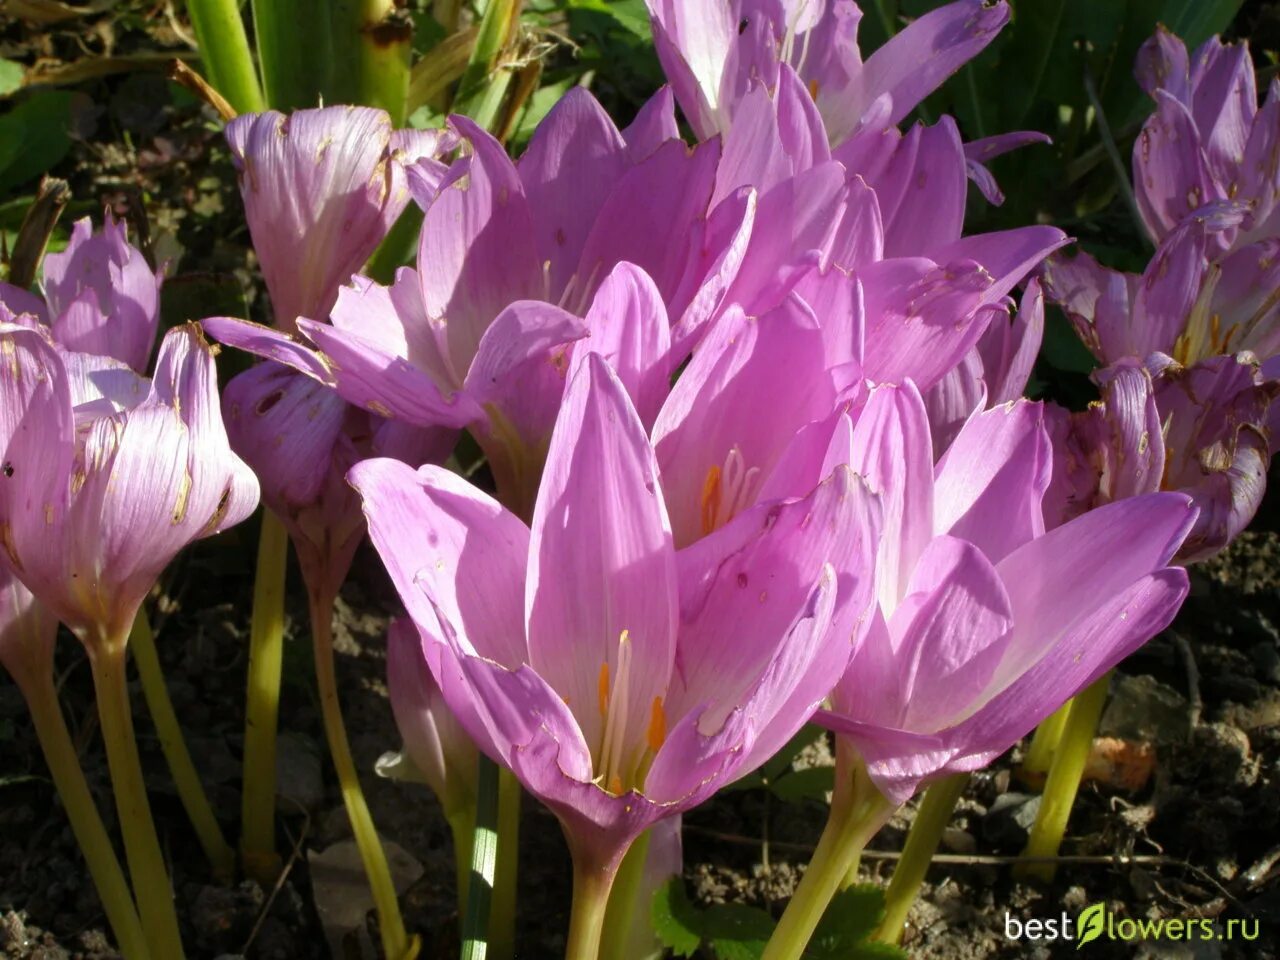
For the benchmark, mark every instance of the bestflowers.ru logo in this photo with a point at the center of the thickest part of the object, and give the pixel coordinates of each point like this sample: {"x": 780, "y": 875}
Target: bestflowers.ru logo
{"x": 1096, "y": 922}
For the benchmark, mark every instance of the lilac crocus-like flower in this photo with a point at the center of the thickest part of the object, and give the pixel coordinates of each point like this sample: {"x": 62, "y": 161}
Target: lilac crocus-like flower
{"x": 591, "y": 234}
{"x": 100, "y": 296}
{"x": 27, "y": 633}
{"x": 1186, "y": 305}
{"x": 986, "y": 624}
{"x": 321, "y": 189}
{"x": 711, "y": 50}
{"x": 621, "y": 681}
{"x": 102, "y": 483}
{"x": 1207, "y": 141}
{"x": 1200, "y": 430}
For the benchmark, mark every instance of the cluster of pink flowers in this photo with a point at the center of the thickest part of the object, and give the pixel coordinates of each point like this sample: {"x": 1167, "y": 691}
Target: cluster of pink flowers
{"x": 751, "y": 407}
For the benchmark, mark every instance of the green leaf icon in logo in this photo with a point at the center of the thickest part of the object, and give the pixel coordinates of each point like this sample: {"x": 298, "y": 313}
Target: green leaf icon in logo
{"x": 1091, "y": 923}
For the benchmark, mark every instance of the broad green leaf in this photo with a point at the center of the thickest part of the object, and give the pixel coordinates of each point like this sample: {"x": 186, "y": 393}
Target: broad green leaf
{"x": 676, "y": 921}
{"x": 35, "y": 135}
{"x": 736, "y": 931}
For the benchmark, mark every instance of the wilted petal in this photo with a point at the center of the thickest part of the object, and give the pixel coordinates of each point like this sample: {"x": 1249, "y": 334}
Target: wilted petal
{"x": 1171, "y": 175}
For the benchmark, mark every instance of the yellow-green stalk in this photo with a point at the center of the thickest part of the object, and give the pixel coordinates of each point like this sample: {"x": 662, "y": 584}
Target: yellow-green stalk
{"x": 923, "y": 838}
{"x": 1064, "y": 781}
{"x": 1045, "y": 741}
{"x": 858, "y": 811}
{"x": 86, "y": 823}
{"x": 225, "y": 54}
{"x": 396, "y": 943}
{"x": 190, "y": 790}
{"x": 262, "y": 704}
{"x": 142, "y": 846}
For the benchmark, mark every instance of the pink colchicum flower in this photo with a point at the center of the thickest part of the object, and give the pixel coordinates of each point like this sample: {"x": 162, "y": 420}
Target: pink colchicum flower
{"x": 711, "y": 50}
{"x": 1186, "y": 305}
{"x": 621, "y": 681}
{"x": 591, "y": 226}
{"x": 986, "y": 624}
{"x": 102, "y": 483}
{"x": 1208, "y": 141}
{"x": 1200, "y": 430}
{"x": 321, "y": 188}
{"x": 100, "y": 296}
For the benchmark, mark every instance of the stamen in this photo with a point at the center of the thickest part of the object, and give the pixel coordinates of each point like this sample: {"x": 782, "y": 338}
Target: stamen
{"x": 710, "y": 500}
{"x": 603, "y": 688}
{"x": 657, "y": 734}
{"x": 615, "y": 785}
{"x": 617, "y": 707}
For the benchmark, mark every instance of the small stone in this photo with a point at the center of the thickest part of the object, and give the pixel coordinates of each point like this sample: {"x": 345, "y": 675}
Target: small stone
{"x": 1144, "y": 709}
{"x": 1009, "y": 820}
{"x": 959, "y": 841}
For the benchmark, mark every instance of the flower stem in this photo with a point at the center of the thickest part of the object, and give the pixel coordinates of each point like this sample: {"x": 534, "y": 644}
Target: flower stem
{"x": 483, "y": 863}
{"x": 1045, "y": 741}
{"x": 396, "y": 943}
{"x": 858, "y": 811}
{"x": 142, "y": 847}
{"x": 86, "y": 823}
{"x": 462, "y": 827}
{"x": 225, "y": 54}
{"x": 262, "y": 704}
{"x": 190, "y": 789}
{"x": 592, "y": 882}
{"x": 932, "y": 818}
{"x": 502, "y": 909}
{"x": 622, "y": 901}
{"x": 1064, "y": 780}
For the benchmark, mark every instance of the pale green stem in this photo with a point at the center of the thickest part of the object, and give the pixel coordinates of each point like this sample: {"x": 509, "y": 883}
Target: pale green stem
{"x": 225, "y": 53}
{"x": 622, "y": 901}
{"x": 592, "y": 883}
{"x": 483, "y": 863}
{"x": 1045, "y": 741}
{"x": 262, "y": 704}
{"x": 1064, "y": 780}
{"x": 190, "y": 790}
{"x": 858, "y": 811}
{"x": 396, "y": 943}
{"x": 462, "y": 825}
{"x": 142, "y": 848}
{"x": 923, "y": 838}
{"x": 64, "y": 765}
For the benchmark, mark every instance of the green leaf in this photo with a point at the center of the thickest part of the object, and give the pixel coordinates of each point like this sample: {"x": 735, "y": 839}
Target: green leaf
{"x": 10, "y": 76}
{"x": 736, "y": 931}
{"x": 676, "y": 921}
{"x": 850, "y": 918}
{"x": 35, "y": 135}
